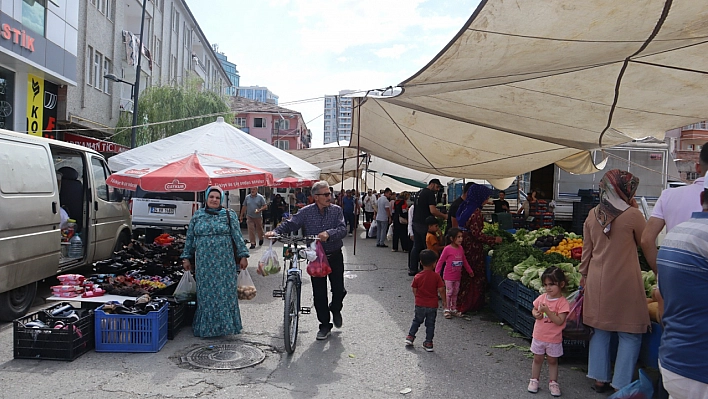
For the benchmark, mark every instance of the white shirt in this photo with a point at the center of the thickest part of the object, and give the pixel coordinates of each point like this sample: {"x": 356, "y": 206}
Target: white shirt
{"x": 383, "y": 203}
{"x": 675, "y": 205}
{"x": 369, "y": 203}
{"x": 410, "y": 217}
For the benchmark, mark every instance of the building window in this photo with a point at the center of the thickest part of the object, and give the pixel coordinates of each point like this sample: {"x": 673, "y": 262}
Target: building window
{"x": 106, "y": 71}
{"x": 109, "y": 10}
{"x": 97, "y": 70}
{"x": 89, "y": 66}
{"x": 259, "y": 122}
{"x": 175, "y": 21}
{"x": 157, "y": 51}
{"x": 173, "y": 69}
{"x": 283, "y": 144}
{"x": 240, "y": 122}
{"x": 282, "y": 124}
{"x": 33, "y": 15}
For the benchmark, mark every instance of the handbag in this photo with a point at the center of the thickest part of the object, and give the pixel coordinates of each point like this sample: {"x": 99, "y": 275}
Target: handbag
{"x": 233, "y": 243}
{"x": 574, "y": 327}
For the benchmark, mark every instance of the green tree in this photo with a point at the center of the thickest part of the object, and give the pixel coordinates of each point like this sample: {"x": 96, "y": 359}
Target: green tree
{"x": 178, "y": 107}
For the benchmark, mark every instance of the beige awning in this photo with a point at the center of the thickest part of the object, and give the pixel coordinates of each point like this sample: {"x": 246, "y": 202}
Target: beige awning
{"x": 530, "y": 83}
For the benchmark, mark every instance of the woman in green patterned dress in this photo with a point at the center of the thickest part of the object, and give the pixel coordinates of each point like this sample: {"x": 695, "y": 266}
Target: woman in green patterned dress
{"x": 209, "y": 243}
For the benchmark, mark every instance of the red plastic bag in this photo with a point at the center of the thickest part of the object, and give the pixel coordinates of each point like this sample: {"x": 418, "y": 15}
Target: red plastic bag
{"x": 576, "y": 253}
{"x": 574, "y": 327}
{"x": 320, "y": 266}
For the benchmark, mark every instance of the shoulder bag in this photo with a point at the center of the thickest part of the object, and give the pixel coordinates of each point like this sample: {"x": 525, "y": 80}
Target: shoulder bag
{"x": 233, "y": 243}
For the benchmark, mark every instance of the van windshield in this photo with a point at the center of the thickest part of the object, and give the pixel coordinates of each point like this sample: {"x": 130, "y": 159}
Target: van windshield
{"x": 185, "y": 196}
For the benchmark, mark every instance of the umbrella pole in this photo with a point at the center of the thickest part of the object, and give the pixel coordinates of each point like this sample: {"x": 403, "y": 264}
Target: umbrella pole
{"x": 358, "y": 151}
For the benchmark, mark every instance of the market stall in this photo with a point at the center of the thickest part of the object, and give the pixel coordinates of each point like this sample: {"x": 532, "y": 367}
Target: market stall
{"x": 514, "y": 271}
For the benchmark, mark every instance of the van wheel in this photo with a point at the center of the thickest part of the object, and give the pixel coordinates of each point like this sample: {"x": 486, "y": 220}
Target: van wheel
{"x": 16, "y": 303}
{"x": 123, "y": 240}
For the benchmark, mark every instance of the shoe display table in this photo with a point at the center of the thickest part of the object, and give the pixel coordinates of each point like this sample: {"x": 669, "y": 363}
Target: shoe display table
{"x": 92, "y": 302}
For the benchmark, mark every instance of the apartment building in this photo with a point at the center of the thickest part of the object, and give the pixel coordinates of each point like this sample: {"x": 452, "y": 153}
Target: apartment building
{"x": 175, "y": 52}
{"x": 257, "y": 93}
{"x": 38, "y": 57}
{"x": 278, "y": 126}
{"x": 338, "y": 117}
{"x": 231, "y": 72}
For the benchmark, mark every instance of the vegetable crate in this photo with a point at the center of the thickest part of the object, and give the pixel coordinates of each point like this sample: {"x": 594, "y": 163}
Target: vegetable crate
{"x": 504, "y": 286}
{"x": 524, "y": 322}
{"x": 504, "y": 308}
{"x": 525, "y": 296}
{"x": 649, "y": 352}
{"x": 52, "y": 342}
{"x": 131, "y": 333}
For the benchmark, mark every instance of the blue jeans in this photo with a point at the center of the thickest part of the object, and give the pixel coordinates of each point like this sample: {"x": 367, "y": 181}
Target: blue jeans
{"x": 349, "y": 221}
{"x": 424, "y": 314}
{"x": 599, "y": 359}
{"x": 381, "y": 231}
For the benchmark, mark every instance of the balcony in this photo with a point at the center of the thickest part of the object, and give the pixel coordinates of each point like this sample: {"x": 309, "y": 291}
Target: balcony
{"x": 126, "y": 105}
{"x": 199, "y": 68}
{"x": 286, "y": 132}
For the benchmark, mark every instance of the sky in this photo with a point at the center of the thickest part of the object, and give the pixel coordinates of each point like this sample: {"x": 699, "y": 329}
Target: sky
{"x": 305, "y": 49}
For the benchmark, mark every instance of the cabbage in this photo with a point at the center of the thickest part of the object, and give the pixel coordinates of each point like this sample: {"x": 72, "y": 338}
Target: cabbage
{"x": 513, "y": 276}
{"x": 536, "y": 284}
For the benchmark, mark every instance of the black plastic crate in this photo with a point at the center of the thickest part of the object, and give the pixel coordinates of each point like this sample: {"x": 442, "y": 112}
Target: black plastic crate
{"x": 175, "y": 318}
{"x": 189, "y": 310}
{"x": 503, "y": 307}
{"x": 525, "y": 296}
{"x": 50, "y": 343}
{"x": 524, "y": 322}
{"x": 575, "y": 348}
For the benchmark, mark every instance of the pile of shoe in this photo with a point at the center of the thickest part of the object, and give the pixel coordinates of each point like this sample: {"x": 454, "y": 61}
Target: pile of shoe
{"x": 141, "y": 306}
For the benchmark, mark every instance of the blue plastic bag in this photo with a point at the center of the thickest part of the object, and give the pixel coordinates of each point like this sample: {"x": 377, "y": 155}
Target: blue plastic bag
{"x": 640, "y": 389}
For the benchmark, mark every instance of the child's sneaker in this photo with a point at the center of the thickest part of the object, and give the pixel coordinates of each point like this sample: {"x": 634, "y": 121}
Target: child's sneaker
{"x": 428, "y": 346}
{"x": 447, "y": 314}
{"x": 409, "y": 340}
{"x": 554, "y": 388}
{"x": 457, "y": 313}
{"x": 533, "y": 385}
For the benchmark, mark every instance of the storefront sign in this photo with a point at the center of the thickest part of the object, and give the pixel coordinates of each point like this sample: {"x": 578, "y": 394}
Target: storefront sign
{"x": 656, "y": 157}
{"x": 17, "y": 36}
{"x": 95, "y": 144}
{"x": 35, "y": 105}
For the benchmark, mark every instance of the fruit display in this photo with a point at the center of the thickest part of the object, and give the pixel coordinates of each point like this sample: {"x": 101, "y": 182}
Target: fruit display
{"x": 566, "y": 246}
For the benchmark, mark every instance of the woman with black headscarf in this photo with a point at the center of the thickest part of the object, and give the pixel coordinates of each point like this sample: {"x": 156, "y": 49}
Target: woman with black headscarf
{"x": 209, "y": 251}
{"x": 469, "y": 217}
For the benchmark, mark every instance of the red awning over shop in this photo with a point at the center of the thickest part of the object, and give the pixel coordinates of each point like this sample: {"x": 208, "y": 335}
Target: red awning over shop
{"x": 95, "y": 144}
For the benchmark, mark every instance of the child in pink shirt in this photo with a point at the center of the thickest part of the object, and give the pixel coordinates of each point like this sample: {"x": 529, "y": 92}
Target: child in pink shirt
{"x": 453, "y": 258}
{"x": 549, "y": 310}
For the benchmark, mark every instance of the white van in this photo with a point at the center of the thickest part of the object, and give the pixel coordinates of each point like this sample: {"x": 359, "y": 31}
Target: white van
{"x": 30, "y": 197}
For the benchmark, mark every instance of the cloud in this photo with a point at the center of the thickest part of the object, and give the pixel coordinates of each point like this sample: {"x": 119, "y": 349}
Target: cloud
{"x": 394, "y": 51}
{"x": 342, "y": 59}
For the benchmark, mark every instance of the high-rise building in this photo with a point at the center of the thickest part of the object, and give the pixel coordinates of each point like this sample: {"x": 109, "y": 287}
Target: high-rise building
{"x": 338, "y": 117}
{"x": 257, "y": 93}
{"x": 231, "y": 72}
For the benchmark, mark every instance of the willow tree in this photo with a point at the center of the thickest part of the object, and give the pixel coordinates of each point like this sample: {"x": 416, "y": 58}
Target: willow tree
{"x": 167, "y": 110}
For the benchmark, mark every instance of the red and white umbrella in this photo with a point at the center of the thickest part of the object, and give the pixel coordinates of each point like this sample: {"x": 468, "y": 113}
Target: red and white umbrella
{"x": 293, "y": 182}
{"x": 195, "y": 172}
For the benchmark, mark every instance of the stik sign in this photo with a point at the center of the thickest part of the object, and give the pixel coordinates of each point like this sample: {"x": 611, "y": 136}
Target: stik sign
{"x": 35, "y": 105}
{"x": 17, "y": 36}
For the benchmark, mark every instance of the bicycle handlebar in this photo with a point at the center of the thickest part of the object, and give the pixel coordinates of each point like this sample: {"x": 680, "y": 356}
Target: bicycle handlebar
{"x": 293, "y": 240}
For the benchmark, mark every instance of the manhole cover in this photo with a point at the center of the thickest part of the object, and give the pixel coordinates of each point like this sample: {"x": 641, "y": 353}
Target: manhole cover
{"x": 225, "y": 356}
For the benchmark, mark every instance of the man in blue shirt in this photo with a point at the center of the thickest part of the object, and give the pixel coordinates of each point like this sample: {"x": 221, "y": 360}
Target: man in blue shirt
{"x": 327, "y": 222}
{"x": 348, "y": 204}
{"x": 682, "y": 265}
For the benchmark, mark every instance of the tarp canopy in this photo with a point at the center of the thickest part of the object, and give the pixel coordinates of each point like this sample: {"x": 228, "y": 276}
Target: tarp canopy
{"x": 218, "y": 138}
{"x": 528, "y": 83}
{"x": 333, "y": 161}
{"x": 376, "y": 182}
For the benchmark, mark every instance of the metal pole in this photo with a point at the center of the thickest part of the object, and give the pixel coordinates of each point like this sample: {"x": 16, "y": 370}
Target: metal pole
{"x": 136, "y": 87}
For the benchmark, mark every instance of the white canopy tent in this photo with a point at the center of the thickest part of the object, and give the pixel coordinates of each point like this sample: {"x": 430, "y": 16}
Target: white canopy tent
{"x": 219, "y": 138}
{"x": 333, "y": 161}
{"x": 527, "y": 84}
{"x": 375, "y": 182}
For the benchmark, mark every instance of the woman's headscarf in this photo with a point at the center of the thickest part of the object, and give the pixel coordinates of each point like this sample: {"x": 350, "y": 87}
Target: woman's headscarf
{"x": 617, "y": 188}
{"x": 206, "y": 206}
{"x": 477, "y": 195}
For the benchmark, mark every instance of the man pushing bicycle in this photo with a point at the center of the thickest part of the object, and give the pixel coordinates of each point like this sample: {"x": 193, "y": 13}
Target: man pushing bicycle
{"x": 325, "y": 220}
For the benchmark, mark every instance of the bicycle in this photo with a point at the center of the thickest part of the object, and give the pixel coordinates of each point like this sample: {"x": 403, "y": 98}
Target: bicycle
{"x": 290, "y": 288}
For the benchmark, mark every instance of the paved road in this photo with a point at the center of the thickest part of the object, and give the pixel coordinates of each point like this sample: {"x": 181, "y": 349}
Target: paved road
{"x": 366, "y": 358}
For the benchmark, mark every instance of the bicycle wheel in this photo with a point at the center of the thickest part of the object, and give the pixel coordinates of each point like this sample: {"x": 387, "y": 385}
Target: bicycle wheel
{"x": 291, "y": 315}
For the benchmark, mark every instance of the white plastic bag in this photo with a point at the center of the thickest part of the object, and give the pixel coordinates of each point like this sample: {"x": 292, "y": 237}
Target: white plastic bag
{"x": 389, "y": 235}
{"x": 269, "y": 262}
{"x": 372, "y": 230}
{"x": 245, "y": 287}
{"x": 186, "y": 288}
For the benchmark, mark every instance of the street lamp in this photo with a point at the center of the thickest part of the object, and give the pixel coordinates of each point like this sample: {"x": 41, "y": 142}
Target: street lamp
{"x": 136, "y": 85}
